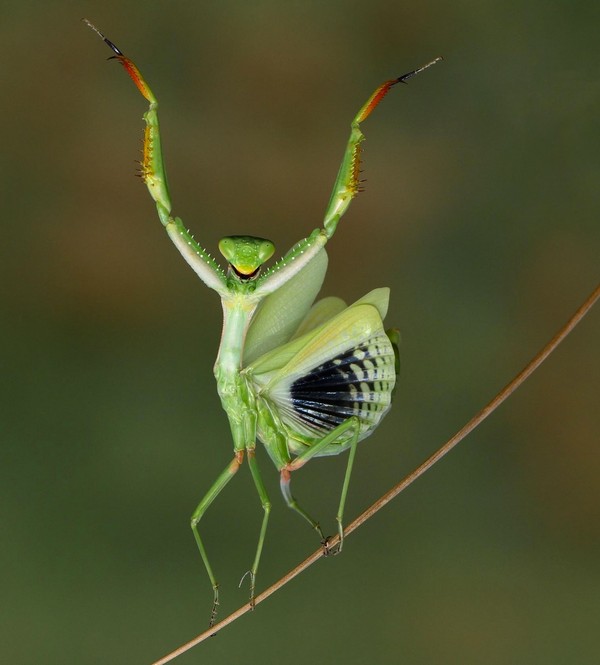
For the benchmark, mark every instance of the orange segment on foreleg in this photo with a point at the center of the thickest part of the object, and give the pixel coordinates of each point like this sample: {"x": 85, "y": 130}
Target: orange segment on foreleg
{"x": 348, "y": 183}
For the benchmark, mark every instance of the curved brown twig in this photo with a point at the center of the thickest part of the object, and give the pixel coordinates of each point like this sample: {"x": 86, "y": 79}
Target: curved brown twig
{"x": 408, "y": 480}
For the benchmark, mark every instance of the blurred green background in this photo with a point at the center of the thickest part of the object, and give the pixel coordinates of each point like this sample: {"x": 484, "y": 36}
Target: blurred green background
{"x": 480, "y": 211}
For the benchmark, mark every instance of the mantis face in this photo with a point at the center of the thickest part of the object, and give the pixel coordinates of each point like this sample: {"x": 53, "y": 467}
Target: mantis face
{"x": 245, "y": 255}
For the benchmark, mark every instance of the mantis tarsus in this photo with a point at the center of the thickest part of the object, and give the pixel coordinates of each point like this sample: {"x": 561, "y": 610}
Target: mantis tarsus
{"x": 306, "y": 380}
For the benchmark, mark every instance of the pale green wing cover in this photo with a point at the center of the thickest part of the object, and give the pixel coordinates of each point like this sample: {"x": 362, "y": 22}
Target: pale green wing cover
{"x": 281, "y": 312}
{"x": 277, "y": 358}
{"x": 345, "y": 331}
{"x": 320, "y": 313}
{"x": 379, "y": 298}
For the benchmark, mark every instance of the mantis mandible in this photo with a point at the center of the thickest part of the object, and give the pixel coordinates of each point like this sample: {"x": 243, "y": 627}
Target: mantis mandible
{"x": 306, "y": 380}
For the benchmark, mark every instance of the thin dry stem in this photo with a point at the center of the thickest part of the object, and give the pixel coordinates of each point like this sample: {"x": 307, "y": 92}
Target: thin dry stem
{"x": 408, "y": 480}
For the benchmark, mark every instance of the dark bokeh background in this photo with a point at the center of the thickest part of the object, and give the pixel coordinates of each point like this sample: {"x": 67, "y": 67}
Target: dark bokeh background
{"x": 481, "y": 212}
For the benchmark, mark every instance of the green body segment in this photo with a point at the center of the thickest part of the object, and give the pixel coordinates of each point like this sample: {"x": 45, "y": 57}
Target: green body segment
{"x": 306, "y": 380}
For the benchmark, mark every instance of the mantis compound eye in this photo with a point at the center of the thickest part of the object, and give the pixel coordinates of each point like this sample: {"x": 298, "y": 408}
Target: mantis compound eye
{"x": 246, "y": 254}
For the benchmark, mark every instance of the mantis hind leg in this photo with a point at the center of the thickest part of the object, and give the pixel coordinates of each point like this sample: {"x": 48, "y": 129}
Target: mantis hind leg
{"x": 351, "y": 425}
{"x": 340, "y": 513}
{"x": 225, "y": 476}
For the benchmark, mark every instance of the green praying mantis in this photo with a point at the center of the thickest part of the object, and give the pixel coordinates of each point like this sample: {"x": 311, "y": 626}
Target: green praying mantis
{"x": 307, "y": 380}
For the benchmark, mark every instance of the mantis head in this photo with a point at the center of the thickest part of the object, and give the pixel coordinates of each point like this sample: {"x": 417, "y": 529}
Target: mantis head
{"x": 245, "y": 255}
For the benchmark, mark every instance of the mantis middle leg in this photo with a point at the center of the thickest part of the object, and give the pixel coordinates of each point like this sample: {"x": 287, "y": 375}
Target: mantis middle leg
{"x": 266, "y": 505}
{"x": 225, "y": 476}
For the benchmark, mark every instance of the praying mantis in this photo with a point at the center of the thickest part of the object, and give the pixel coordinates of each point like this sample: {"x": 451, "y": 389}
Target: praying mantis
{"x": 307, "y": 380}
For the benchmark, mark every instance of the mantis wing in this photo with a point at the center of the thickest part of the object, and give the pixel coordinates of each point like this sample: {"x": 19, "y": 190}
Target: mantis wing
{"x": 327, "y": 308}
{"x": 343, "y": 368}
{"x": 281, "y": 312}
{"x": 320, "y": 313}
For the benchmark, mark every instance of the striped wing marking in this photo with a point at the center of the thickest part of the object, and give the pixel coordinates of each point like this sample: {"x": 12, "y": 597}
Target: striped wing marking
{"x": 346, "y": 369}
